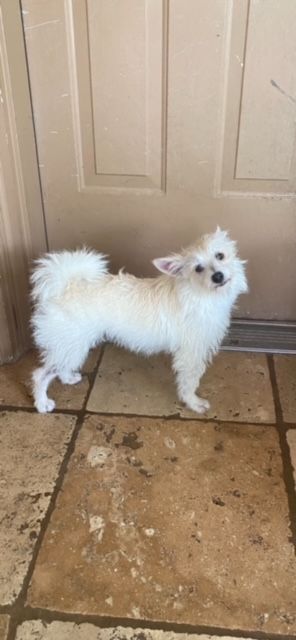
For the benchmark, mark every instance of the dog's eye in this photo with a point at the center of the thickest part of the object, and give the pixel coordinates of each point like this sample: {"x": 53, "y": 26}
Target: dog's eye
{"x": 199, "y": 268}
{"x": 219, "y": 256}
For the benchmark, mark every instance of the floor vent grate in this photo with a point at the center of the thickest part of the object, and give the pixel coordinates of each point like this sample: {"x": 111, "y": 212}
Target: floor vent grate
{"x": 268, "y": 337}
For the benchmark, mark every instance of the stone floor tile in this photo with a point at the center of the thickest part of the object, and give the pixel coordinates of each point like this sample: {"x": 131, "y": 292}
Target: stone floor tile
{"x": 4, "y": 621}
{"x": 71, "y": 631}
{"x": 32, "y": 448}
{"x": 285, "y": 367}
{"x": 69, "y": 396}
{"x": 291, "y": 437}
{"x": 236, "y": 384}
{"x": 15, "y": 386}
{"x": 15, "y": 380}
{"x": 127, "y": 383}
{"x": 168, "y": 520}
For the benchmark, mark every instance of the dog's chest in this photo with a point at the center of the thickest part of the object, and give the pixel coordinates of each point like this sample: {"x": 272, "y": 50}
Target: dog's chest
{"x": 210, "y": 320}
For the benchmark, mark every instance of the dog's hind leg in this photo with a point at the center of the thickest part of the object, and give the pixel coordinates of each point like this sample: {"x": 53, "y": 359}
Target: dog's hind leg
{"x": 70, "y": 377}
{"x": 68, "y": 370}
{"x": 42, "y": 378}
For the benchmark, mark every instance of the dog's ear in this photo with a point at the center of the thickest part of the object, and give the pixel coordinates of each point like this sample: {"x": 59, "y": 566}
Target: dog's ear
{"x": 171, "y": 265}
{"x": 221, "y": 233}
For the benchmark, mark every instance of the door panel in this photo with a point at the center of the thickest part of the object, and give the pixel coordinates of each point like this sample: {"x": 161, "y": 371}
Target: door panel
{"x": 156, "y": 120}
{"x": 118, "y": 59}
{"x": 259, "y": 149}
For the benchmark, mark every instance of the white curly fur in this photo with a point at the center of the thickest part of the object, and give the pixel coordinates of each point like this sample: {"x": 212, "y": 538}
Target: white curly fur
{"x": 79, "y": 304}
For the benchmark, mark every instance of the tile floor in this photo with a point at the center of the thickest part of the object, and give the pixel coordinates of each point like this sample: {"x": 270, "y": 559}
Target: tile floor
{"x": 124, "y": 516}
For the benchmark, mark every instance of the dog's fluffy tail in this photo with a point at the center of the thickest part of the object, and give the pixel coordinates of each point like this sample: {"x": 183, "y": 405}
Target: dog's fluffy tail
{"x": 54, "y": 271}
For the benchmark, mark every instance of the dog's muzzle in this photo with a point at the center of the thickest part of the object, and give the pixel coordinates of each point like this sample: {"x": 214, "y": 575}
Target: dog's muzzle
{"x": 218, "y": 277}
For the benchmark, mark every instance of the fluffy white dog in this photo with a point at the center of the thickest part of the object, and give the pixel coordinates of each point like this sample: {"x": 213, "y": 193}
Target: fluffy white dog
{"x": 184, "y": 312}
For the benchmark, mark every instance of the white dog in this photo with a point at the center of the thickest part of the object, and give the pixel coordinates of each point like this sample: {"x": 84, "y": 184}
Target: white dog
{"x": 185, "y": 312}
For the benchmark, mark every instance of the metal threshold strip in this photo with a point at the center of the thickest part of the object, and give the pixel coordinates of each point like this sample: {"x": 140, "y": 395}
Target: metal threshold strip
{"x": 262, "y": 336}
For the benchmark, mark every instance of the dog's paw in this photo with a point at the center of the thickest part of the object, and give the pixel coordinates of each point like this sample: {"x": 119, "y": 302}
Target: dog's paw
{"x": 199, "y": 405}
{"x": 70, "y": 378}
{"x": 45, "y": 406}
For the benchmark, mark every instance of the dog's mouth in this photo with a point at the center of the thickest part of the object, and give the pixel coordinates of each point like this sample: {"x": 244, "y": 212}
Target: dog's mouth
{"x": 222, "y": 284}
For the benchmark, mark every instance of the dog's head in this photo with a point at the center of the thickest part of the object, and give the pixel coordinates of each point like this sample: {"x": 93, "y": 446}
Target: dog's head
{"x": 212, "y": 266}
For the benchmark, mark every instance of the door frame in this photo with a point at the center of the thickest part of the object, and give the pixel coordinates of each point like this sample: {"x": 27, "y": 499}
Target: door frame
{"x": 22, "y": 227}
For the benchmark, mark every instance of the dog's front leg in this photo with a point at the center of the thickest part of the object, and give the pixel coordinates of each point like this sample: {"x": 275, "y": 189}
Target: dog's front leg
{"x": 189, "y": 371}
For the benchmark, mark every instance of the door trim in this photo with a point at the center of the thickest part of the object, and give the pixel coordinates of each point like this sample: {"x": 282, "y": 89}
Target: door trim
{"x": 22, "y": 228}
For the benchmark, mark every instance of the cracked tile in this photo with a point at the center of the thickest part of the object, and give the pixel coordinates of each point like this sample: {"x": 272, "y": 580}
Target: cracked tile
{"x": 236, "y": 384}
{"x": 285, "y": 368}
{"x": 72, "y": 631}
{"x": 15, "y": 385}
{"x": 167, "y": 520}
{"x": 32, "y": 448}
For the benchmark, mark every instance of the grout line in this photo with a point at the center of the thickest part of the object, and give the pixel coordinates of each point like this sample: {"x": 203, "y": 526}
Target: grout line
{"x": 18, "y": 609}
{"x": 177, "y": 416}
{"x": 12, "y": 628}
{"x": 21, "y": 599}
{"x": 11, "y": 409}
{"x": 92, "y": 378}
{"x": 286, "y": 426}
{"x": 288, "y": 476}
{"x": 104, "y": 622}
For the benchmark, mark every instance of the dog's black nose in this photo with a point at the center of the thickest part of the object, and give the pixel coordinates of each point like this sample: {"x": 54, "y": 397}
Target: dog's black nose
{"x": 218, "y": 277}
